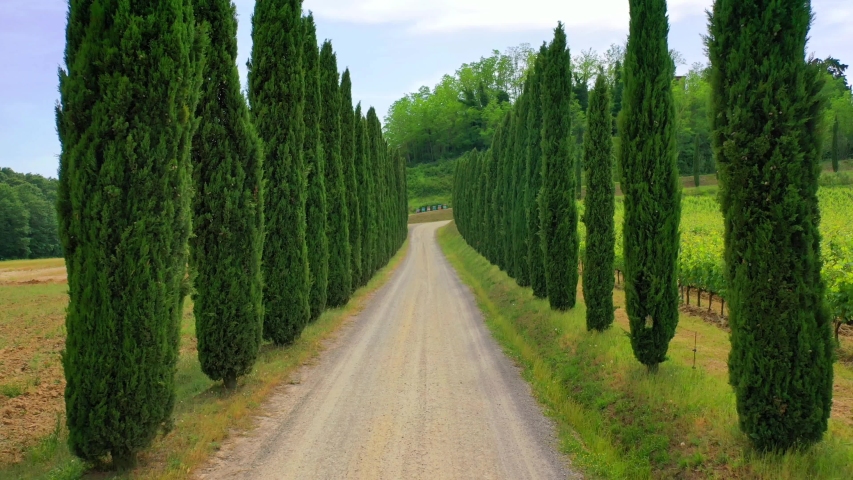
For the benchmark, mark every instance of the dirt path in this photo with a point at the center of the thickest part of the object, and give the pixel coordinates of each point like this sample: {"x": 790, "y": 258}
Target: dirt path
{"x": 415, "y": 387}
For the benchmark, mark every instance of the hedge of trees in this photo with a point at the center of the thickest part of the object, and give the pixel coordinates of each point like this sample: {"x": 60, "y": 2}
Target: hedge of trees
{"x": 170, "y": 182}
{"x": 767, "y": 117}
{"x": 27, "y": 216}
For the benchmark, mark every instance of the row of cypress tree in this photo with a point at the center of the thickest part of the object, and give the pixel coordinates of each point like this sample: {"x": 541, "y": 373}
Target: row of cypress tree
{"x": 281, "y": 207}
{"x": 515, "y": 203}
{"x": 766, "y": 108}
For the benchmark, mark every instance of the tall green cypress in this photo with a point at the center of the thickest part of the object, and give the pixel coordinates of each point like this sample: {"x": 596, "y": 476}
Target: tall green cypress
{"x": 276, "y": 98}
{"x": 313, "y": 149}
{"x": 125, "y": 121}
{"x": 618, "y": 88}
{"x": 348, "y": 129}
{"x": 696, "y": 180}
{"x": 519, "y": 210}
{"x": 650, "y": 185}
{"x": 486, "y": 216}
{"x": 374, "y": 158}
{"x": 500, "y": 200}
{"x": 579, "y": 170}
{"x": 495, "y": 181}
{"x": 228, "y": 216}
{"x": 558, "y": 209}
{"x": 766, "y": 108}
{"x": 368, "y": 214}
{"x": 340, "y": 273}
{"x": 835, "y": 146}
{"x": 535, "y": 256}
{"x": 598, "y": 214}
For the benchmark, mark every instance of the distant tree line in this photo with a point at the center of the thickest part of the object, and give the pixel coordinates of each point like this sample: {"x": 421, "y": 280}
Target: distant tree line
{"x": 763, "y": 107}
{"x": 267, "y": 211}
{"x": 27, "y": 216}
{"x": 463, "y": 111}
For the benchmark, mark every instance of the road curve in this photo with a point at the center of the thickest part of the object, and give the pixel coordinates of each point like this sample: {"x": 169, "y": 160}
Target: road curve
{"x": 414, "y": 388}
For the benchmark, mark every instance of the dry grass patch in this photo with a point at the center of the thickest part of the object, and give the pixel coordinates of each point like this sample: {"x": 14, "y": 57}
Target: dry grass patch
{"x": 205, "y": 412}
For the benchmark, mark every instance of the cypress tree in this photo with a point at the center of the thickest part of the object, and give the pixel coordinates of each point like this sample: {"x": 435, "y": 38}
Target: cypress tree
{"x": 368, "y": 214}
{"x": 340, "y": 273}
{"x": 650, "y": 185}
{"x": 316, "y": 212}
{"x": 486, "y": 216}
{"x": 519, "y": 211}
{"x": 598, "y": 215}
{"x": 125, "y": 121}
{"x": 374, "y": 159}
{"x": 618, "y": 88}
{"x": 835, "y": 146}
{"x": 766, "y": 105}
{"x": 579, "y": 173}
{"x": 348, "y": 129}
{"x": 696, "y": 160}
{"x": 226, "y": 248}
{"x": 276, "y": 98}
{"x": 495, "y": 181}
{"x": 535, "y": 256}
{"x": 557, "y": 208}
{"x": 505, "y": 199}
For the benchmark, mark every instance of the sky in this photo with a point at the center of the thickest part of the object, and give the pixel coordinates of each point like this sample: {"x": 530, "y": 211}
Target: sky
{"x": 391, "y": 47}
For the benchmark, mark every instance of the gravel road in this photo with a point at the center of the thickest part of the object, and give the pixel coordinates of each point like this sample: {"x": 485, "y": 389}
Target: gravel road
{"x": 415, "y": 387}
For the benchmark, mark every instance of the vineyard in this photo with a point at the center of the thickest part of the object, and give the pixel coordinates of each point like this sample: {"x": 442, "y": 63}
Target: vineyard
{"x": 700, "y": 261}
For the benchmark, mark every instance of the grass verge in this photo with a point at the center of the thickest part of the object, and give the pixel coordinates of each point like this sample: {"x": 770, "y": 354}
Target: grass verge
{"x": 205, "y": 412}
{"x": 613, "y": 418}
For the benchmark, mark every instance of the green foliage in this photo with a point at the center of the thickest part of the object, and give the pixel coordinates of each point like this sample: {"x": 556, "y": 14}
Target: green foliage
{"x": 692, "y": 96}
{"x": 519, "y": 194}
{"x": 650, "y": 184}
{"x": 33, "y": 232}
{"x": 461, "y": 112}
{"x": 503, "y": 199}
{"x": 352, "y": 184}
{"x": 558, "y": 211}
{"x": 835, "y": 146}
{"x": 364, "y": 170}
{"x": 276, "y": 97}
{"x": 126, "y": 121}
{"x": 340, "y": 250}
{"x": 316, "y": 212}
{"x": 14, "y": 225}
{"x": 598, "y": 215}
{"x": 430, "y": 182}
{"x": 533, "y": 172}
{"x": 696, "y": 161}
{"x": 375, "y": 155}
{"x": 781, "y": 359}
{"x": 618, "y": 89}
{"x": 228, "y": 217}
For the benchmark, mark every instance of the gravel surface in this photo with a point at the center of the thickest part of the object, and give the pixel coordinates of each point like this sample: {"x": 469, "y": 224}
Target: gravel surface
{"x": 413, "y": 387}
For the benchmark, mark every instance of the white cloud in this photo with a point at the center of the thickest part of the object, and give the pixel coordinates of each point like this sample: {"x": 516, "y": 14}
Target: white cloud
{"x": 429, "y": 16}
